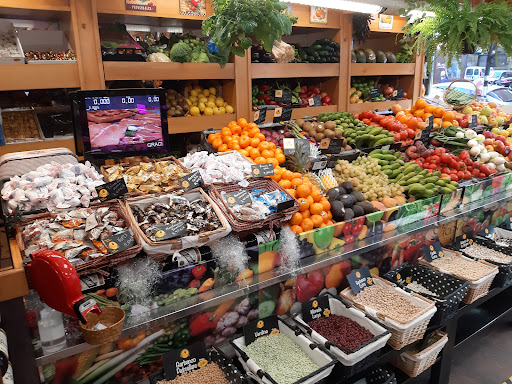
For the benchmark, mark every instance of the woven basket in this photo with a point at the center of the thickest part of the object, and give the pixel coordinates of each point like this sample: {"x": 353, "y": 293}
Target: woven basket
{"x": 203, "y": 142}
{"x": 111, "y": 317}
{"x": 97, "y": 263}
{"x": 447, "y": 90}
{"x": 401, "y": 334}
{"x": 477, "y": 288}
{"x": 413, "y": 364}
{"x": 125, "y": 166}
{"x": 240, "y": 225}
{"x": 450, "y": 290}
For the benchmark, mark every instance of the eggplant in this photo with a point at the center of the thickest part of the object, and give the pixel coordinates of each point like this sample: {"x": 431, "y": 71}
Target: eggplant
{"x": 267, "y": 57}
{"x": 255, "y": 56}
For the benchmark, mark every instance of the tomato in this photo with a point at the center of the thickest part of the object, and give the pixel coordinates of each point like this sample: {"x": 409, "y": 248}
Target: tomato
{"x": 464, "y": 155}
{"x": 469, "y": 168}
{"x": 377, "y": 118}
{"x": 444, "y": 175}
{"x": 432, "y": 166}
{"x": 367, "y": 121}
{"x": 477, "y": 164}
{"x": 410, "y": 133}
{"x": 481, "y": 174}
{"x": 440, "y": 151}
{"x": 485, "y": 169}
{"x": 403, "y": 135}
{"x": 366, "y": 115}
{"x": 454, "y": 164}
{"x": 435, "y": 159}
{"x": 418, "y": 161}
{"x": 460, "y": 175}
{"x": 454, "y": 177}
{"x": 445, "y": 158}
{"x": 475, "y": 173}
{"x": 467, "y": 175}
{"x": 445, "y": 170}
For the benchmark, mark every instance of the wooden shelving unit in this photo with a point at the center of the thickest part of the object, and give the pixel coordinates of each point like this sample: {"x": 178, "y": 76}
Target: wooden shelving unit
{"x": 378, "y": 105}
{"x": 13, "y": 281}
{"x": 377, "y": 69}
{"x": 39, "y": 76}
{"x": 291, "y": 70}
{"x": 187, "y": 124}
{"x": 300, "y": 113}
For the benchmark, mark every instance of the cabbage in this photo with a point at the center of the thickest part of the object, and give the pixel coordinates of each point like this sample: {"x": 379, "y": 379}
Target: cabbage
{"x": 181, "y": 53}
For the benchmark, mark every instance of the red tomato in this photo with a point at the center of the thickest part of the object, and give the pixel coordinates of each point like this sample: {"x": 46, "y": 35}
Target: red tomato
{"x": 485, "y": 169}
{"x": 476, "y": 173}
{"x": 367, "y": 121}
{"x": 469, "y": 168}
{"x": 445, "y": 170}
{"x": 410, "y": 133}
{"x": 418, "y": 161}
{"x": 445, "y": 158}
{"x": 432, "y": 166}
{"x": 460, "y": 175}
{"x": 464, "y": 155}
{"x": 403, "y": 135}
{"x": 435, "y": 159}
{"x": 440, "y": 151}
{"x": 467, "y": 175}
{"x": 481, "y": 174}
{"x": 454, "y": 164}
{"x": 444, "y": 175}
{"x": 454, "y": 177}
{"x": 377, "y": 117}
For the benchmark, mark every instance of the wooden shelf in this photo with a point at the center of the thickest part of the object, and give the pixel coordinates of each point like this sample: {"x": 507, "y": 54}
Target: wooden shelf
{"x": 378, "y": 105}
{"x": 384, "y": 69}
{"x": 199, "y": 123}
{"x": 398, "y": 24}
{"x": 282, "y": 70}
{"x": 39, "y": 76}
{"x": 123, "y": 70}
{"x": 43, "y": 5}
{"x": 299, "y": 113}
{"x": 13, "y": 282}
{"x": 46, "y": 144}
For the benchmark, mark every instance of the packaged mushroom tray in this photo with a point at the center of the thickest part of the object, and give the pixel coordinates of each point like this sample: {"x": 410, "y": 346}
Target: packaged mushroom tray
{"x": 406, "y": 314}
{"x": 167, "y": 223}
{"x": 479, "y": 274}
{"x": 346, "y": 332}
{"x": 82, "y": 235}
{"x": 147, "y": 176}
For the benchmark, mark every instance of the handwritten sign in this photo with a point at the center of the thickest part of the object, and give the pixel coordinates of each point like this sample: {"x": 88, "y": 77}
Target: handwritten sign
{"x": 282, "y": 114}
{"x": 184, "y": 360}
{"x": 238, "y": 198}
{"x": 488, "y": 233}
{"x": 315, "y": 101}
{"x": 191, "y": 181}
{"x": 433, "y": 251}
{"x": 262, "y": 170}
{"x": 260, "y": 115}
{"x": 463, "y": 241}
{"x": 284, "y": 96}
{"x": 119, "y": 242}
{"x": 170, "y": 231}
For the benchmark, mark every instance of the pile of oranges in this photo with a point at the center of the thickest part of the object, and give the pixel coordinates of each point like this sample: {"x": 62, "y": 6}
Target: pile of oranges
{"x": 421, "y": 111}
{"x": 247, "y": 139}
{"x": 314, "y": 209}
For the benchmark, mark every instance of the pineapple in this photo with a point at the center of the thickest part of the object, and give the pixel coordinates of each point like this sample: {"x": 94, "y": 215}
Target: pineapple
{"x": 328, "y": 180}
{"x": 315, "y": 180}
{"x": 298, "y": 161}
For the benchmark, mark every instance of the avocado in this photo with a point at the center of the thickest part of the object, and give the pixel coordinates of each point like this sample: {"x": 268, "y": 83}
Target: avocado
{"x": 358, "y": 195}
{"x": 333, "y": 194}
{"x": 354, "y": 56}
{"x": 391, "y": 57}
{"x": 347, "y": 186}
{"x": 367, "y": 206}
{"x": 348, "y": 200}
{"x": 381, "y": 57}
{"x": 349, "y": 214}
{"x": 361, "y": 58}
{"x": 370, "y": 56}
{"x": 337, "y": 210}
{"x": 358, "y": 210}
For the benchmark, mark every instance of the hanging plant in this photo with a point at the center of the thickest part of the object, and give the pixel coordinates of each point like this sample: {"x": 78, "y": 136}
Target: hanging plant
{"x": 361, "y": 26}
{"x": 236, "y": 23}
{"x": 458, "y": 28}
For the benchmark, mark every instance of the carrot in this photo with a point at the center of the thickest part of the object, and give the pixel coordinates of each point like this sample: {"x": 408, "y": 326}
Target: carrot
{"x": 244, "y": 275}
{"x": 206, "y": 285}
{"x": 111, "y": 292}
{"x": 223, "y": 308}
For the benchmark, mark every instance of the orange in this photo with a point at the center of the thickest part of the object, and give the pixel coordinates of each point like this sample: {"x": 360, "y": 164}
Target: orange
{"x": 307, "y": 224}
{"x": 430, "y": 108}
{"x": 420, "y": 104}
{"x": 216, "y": 143}
{"x": 267, "y": 154}
{"x": 303, "y": 190}
{"x": 297, "y": 175}
{"x": 297, "y": 229}
{"x": 236, "y": 130}
{"x": 227, "y": 139}
{"x": 249, "y": 148}
{"x": 276, "y": 177}
{"x": 437, "y": 121}
{"x": 329, "y": 215}
{"x": 280, "y": 157}
{"x": 242, "y": 122}
{"x": 296, "y": 218}
{"x": 264, "y": 145}
{"x": 306, "y": 214}
{"x": 255, "y": 142}
{"x": 419, "y": 113}
{"x": 448, "y": 116}
{"x": 403, "y": 118}
{"x": 254, "y": 153}
{"x": 211, "y": 137}
{"x": 292, "y": 193}
{"x": 251, "y": 126}
{"x": 286, "y": 184}
{"x": 243, "y": 152}
{"x": 273, "y": 161}
{"x": 244, "y": 141}
{"x": 260, "y": 160}
{"x": 317, "y": 220}
{"x": 316, "y": 195}
{"x": 438, "y": 112}
{"x": 287, "y": 175}
{"x": 296, "y": 182}
{"x": 225, "y": 131}
{"x": 412, "y": 123}
{"x": 271, "y": 146}
{"x": 223, "y": 148}
{"x": 232, "y": 124}
{"x": 304, "y": 204}
{"x": 329, "y": 222}
{"x": 326, "y": 205}
{"x": 447, "y": 124}
{"x": 279, "y": 150}
{"x": 310, "y": 200}
{"x": 260, "y": 136}
{"x": 253, "y": 132}
{"x": 316, "y": 209}
{"x": 426, "y": 116}
{"x": 235, "y": 146}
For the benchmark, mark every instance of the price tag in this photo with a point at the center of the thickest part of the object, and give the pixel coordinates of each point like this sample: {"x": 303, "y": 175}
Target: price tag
{"x": 283, "y": 95}
{"x": 360, "y": 279}
{"x": 315, "y": 101}
{"x": 262, "y": 170}
{"x": 260, "y": 115}
{"x": 282, "y": 114}
{"x": 191, "y": 181}
{"x": 262, "y": 327}
{"x": 285, "y": 205}
{"x": 398, "y": 94}
{"x": 119, "y": 242}
{"x": 488, "y": 233}
{"x": 170, "y": 231}
{"x": 330, "y": 146}
{"x": 289, "y": 146}
{"x": 463, "y": 241}
{"x": 402, "y": 279}
{"x": 425, "y": 134}
{"x": 433, "y": 251}
{"x": 183, "y": 360}
{"x": 241, "y": 197}
{"x": 318, "y": 165}
{"x": 473, "y": 121}
{"x": 112, "y": 190}
{"x": 316, "y": 309}
{"x": 374, "y": 93}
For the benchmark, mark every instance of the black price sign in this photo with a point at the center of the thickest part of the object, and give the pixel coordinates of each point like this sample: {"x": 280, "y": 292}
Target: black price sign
{"x": 112, "y": 190}
{"x": 262, "y": 327}
{"x": 374, "y": 93}
{"x": 262, "y": 170}
{"x": 425, "y": 134}
{"x": 282, "y": 114}
{"x": 318, "y": 165}
{"x": 488, "y": 233}
{"x": 315, "y": 101}
{"x": 360, "y": 279}
{"x": 285, "y": 205}
{"x": 433, "y": 251}
{"x": 191, "y": 181}
{"x": 463, "y": 241}
{"x": 238, "y": 198}
{"x": 283, "y": 95}
{"x": 330, "y": 146}
{"x": 316, "y": 309}
{"x": 119, "y": 242}
{"x": 398, "y": 94}
{"x": 473, "y": 121}
{"x": 170, "y": 231}
{"x": 260, "y": 115}
{"x": 184, "y": 360}
{"x": 508, "y": 223}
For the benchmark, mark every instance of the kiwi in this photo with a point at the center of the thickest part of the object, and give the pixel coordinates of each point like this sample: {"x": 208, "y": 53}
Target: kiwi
{"x": 349, "y": 214}
{"x": 300, "y": 122}
{"x": 307, "y": 126}
{"x": 358, "y": 195}
{"x": 312, "y": 133}
{"x": 320, "y": 128}
{"x": 338, "y": 133}
{"x": 358, "y": 210}
{"x": 328, "y": 133}
{"x": 337, "y": 210}
{"x": 333, "y": 194}
{"x": 319, "y": 137}
{"x": 330, "y": 125}
{"x": 348, "y": 200}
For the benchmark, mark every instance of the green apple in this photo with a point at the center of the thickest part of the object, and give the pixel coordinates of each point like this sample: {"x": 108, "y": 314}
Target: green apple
{"x": 486, "y": 111}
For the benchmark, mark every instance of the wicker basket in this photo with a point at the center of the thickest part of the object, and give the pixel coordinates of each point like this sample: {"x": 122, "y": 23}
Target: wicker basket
{"x": 203, "y": 142}
{"x": 240, "y": 225}
{"x": 447, "y": 90}
{"x": 477, "y": 288}
{"x": 401, "y": 334}
{"x": 450, "y": 290}
{"x": 97, "y": 263}
{"x": 125, "y": 166}
{"x": 414, "y": 364}
{"x": 504, "y": 276}
{"x": 111, "y": 317}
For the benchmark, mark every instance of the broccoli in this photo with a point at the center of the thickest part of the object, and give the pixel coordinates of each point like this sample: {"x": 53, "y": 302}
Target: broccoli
{"x": 181, "y": 53}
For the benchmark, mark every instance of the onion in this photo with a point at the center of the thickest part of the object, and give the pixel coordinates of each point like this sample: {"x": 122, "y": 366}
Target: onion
{"x": 500, "y": 167}
{"x": 470, "y": 134}
{"x": 472, "y": 143}
{"x": 491, "y": 165}
{"x": 493, "y": 154}
{"x": 484, "y": 158}
{"x": 474, "y": 151}
{"x": 498, "y": 160}
{"x": 459, "y": 135}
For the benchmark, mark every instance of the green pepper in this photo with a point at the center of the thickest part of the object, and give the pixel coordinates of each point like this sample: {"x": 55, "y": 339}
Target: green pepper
{"x": 255, "y": 100}
{"x": 261, "y": 102}
{"x": 181, "y": 338}
{"x": 255, "y": 91}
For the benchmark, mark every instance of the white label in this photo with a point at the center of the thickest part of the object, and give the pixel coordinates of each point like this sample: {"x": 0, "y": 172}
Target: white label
{"x": 8, "y": 377}
{"x": 256, "y": 115}
{"x": 3, "y": 343}
{"x": 278, "y": 111}
{"x": 319, "y": 165}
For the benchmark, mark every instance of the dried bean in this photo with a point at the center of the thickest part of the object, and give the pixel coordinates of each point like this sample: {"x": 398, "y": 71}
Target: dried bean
{"x": 418, "y": 288}
{"x": 467, "y": 269}
{"x": 211, "y": 374}
{"x": 480, "y": 252}
{"x": 341, "y": 331}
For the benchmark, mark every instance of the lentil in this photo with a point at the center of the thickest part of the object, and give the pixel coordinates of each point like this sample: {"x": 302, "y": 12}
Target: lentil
{"x": 341, "y": 331}
{"x": 467, "y": 269}
{"x": 388, "y": 302}
{"x": 281, "y": 358}
{"x": 480, "y": 252}
{"x": 211, "y": 374}
{"x": 418, "y": 288}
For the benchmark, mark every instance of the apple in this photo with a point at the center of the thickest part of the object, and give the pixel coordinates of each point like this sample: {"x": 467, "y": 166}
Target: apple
{"x": 464, "y": 123}
{"x": 486, "y": 111}
{"x": 488, "y": 142}
{"x": 501, "y": 138}
{"x": 467, "y": 110}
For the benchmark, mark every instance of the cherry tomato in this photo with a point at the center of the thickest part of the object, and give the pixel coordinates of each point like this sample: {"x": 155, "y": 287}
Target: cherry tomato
{"x": 467, "y": 175}
{"x": 454, "y": 177}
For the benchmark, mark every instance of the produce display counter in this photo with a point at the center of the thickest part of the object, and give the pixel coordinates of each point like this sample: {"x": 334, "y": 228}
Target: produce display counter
{"x": 282, "y": 70}
{"x": 378, "y": 69}
{"x": 378, "y": 105}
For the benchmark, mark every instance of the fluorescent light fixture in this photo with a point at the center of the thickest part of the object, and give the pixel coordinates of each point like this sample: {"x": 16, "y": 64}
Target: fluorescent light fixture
{"x": 147, "y": 28}
{"x": 417, "y": 14}
{"x": 343, "y": 5}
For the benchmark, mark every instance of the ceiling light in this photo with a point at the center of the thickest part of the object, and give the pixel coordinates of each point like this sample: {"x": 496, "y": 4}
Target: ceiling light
{"x": 418, "y": 14}
{"x": 351, "y": 6}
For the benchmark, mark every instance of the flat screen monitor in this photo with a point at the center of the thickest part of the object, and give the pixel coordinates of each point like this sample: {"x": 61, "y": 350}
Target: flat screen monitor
{"x": 120, "y": 123}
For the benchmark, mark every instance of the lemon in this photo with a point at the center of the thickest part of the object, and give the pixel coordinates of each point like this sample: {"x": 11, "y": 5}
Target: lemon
{"x": 225, "y": 104}
{"x": 198, "y": 89}
{"x": 193, "y": 99}
{"x": 194, "y": 111}
{"x": 203, "y": 100}
{"x": 230, "y": 109}
{"x": 193, "y": 92}
{"x": 189, "y": 102}
{"x": 217, "y": 111}
{"x": 222, "y": 110}
{"x": 219, "y": 102}
{"x": 201, "y": 106}
{"x": 213, "y": 90}
{"x": 208, "y": 111}
{"x": 206, "y": 92}
{"x": 211, "y": 104}
{"x": 212, "y": 98}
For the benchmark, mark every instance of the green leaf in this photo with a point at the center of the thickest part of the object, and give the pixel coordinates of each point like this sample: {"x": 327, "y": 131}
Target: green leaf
{"x": 239, "y": 51}
{"x": 246, "y": 42}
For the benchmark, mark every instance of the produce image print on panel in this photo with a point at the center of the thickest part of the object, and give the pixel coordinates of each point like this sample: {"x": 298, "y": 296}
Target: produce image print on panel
{"x": 124, "y": 123}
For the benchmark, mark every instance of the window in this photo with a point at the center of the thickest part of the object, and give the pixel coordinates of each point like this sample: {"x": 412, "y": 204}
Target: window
{"x": 469, "y": 72}
{"x": 502, "y": 94}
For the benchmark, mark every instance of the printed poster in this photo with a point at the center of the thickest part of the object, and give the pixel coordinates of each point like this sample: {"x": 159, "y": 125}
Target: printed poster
{"x": 318, "y": 15}
{"x": 193, "y": 7}
{"x": 385, "y": 21}
{"x": 140, "y": 5}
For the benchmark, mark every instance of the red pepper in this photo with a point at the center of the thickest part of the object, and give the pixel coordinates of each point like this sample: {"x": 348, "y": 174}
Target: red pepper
{"x": 195, "y": 3}
{"x": 203, "y": 323}
{"x": 196, "y": 283}
{"x": 199, "y": 271}
{"x": 264, "y": 88}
